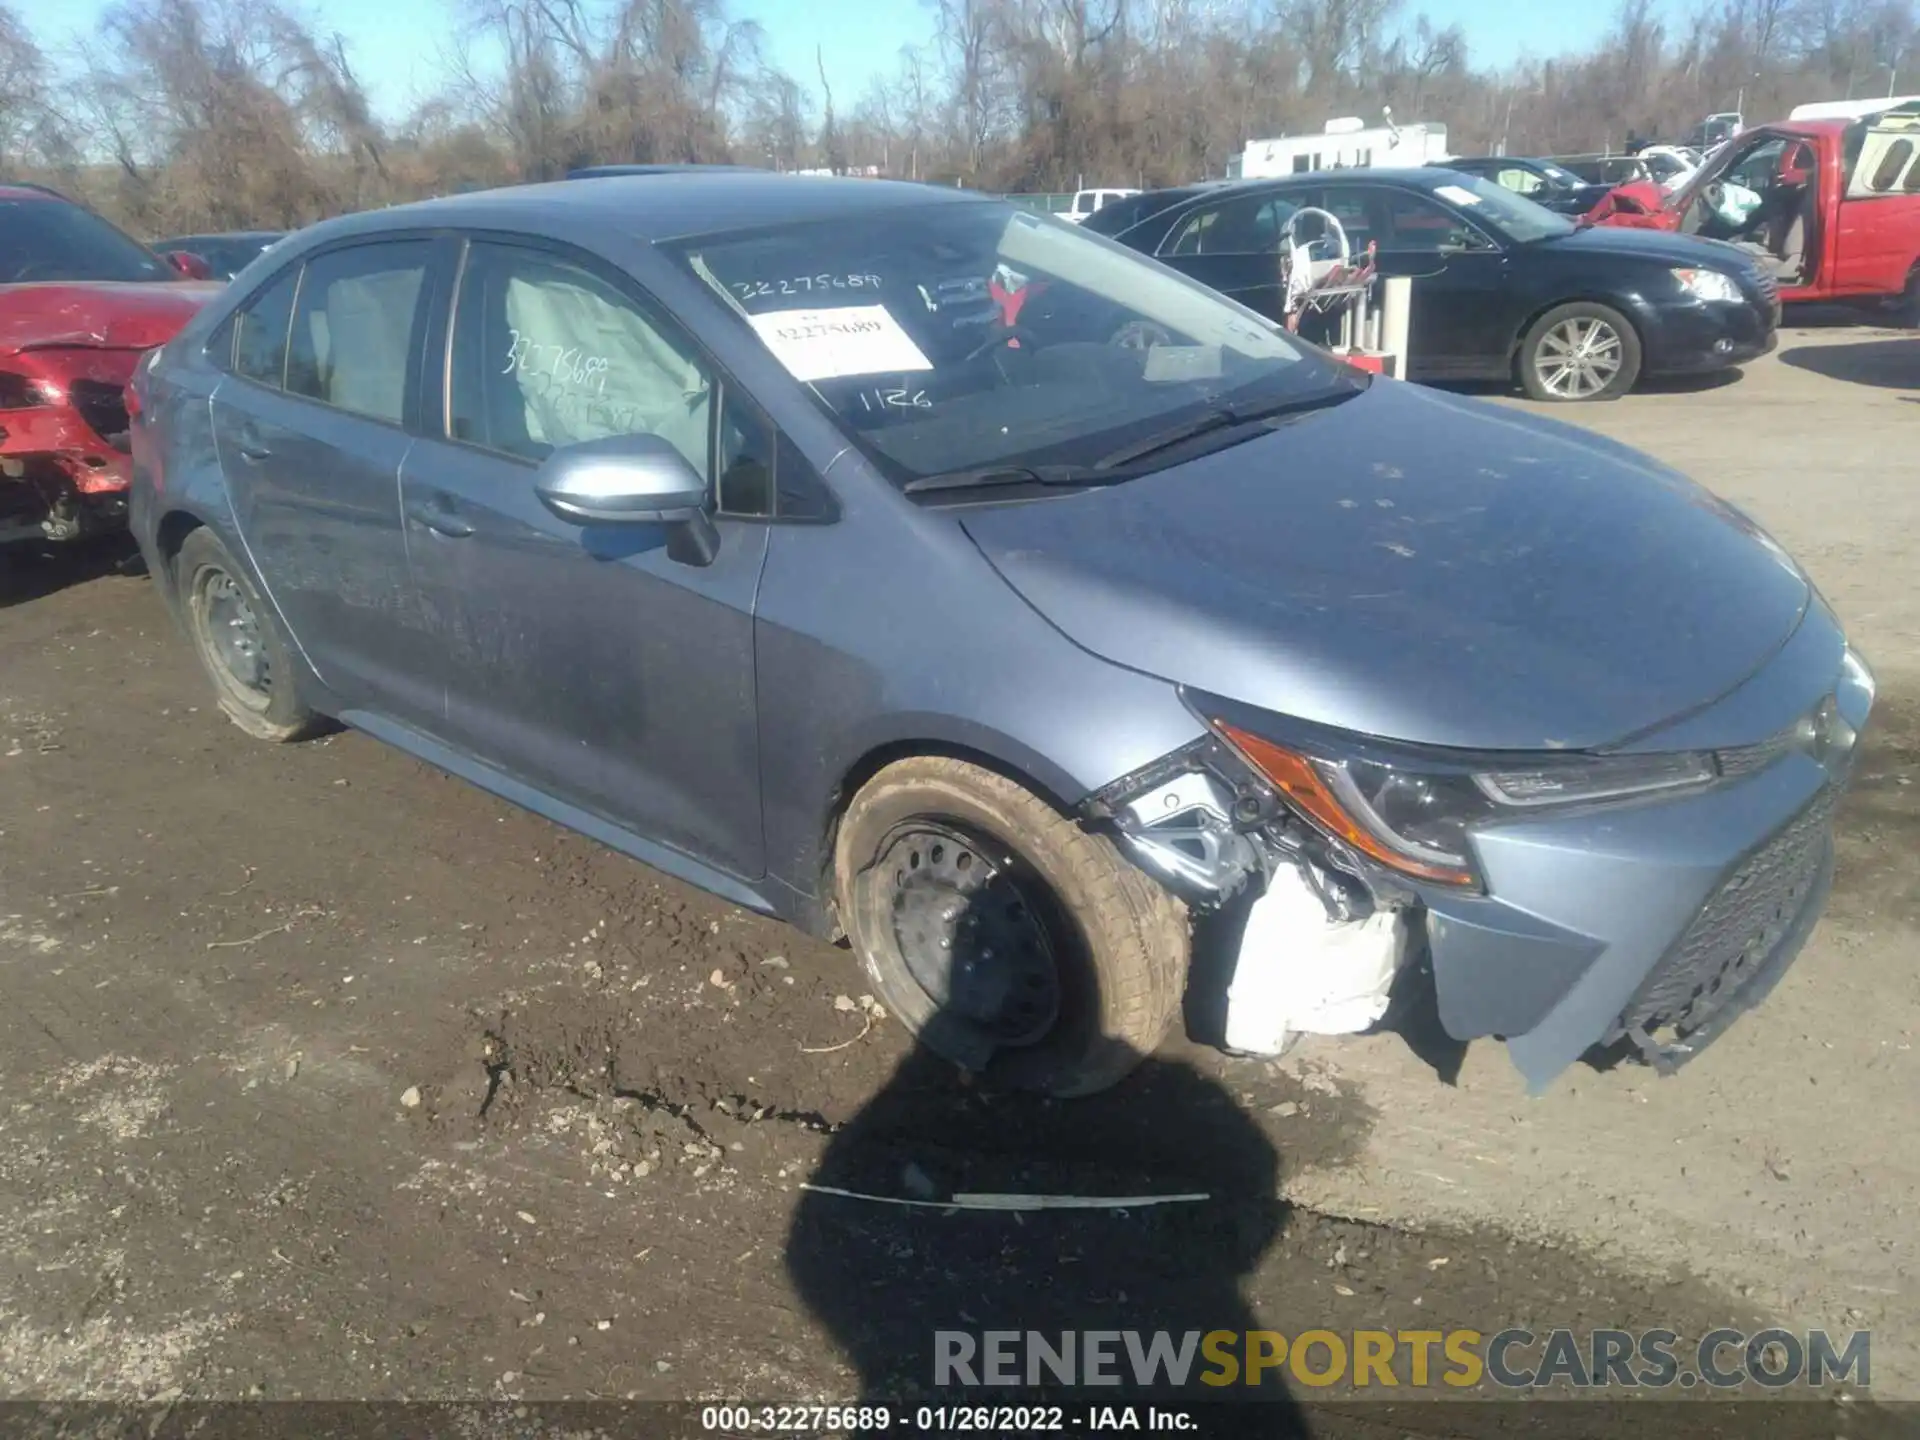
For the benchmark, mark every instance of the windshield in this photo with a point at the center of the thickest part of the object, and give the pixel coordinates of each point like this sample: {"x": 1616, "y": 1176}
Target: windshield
{"x": 1560, "y": 175}
{"x": 1513, "y": 216}
{"x": 951, "y": 337}
{"x": 53, "y": 240}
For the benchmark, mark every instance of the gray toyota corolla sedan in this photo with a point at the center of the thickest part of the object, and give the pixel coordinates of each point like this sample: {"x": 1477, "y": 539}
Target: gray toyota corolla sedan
{"x": 938, "y": 575}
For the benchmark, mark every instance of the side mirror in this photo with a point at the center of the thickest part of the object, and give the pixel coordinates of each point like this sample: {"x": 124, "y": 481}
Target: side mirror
{"x": 189, "y": 265}
{"x": 631, "y": 480}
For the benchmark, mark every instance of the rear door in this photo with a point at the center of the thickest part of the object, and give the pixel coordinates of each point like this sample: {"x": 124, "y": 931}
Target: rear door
{"x": 312, "y": 428}
{"x": 1233, "y": 245}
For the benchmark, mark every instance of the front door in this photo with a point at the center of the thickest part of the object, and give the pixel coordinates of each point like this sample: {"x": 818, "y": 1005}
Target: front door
{"x": 1461, "y": 323}
{"x": 585, "y": 660}
{"x": 310, "y": 422}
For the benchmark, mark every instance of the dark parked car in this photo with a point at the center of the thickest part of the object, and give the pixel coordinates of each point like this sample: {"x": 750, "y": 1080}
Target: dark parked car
{"x": 921, "y": 569}
{"x": 1545, "y": 182}
{"x": 1503, "y": 289}
{"x": 226, "y": 255}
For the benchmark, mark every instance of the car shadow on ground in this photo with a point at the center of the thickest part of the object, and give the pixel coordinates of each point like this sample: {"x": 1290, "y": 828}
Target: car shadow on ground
{"x": 1892, "y": 363}
{"x": 886, "y": 1278}
{"x": 29, "y": 572}
{"x": 1652, "y": 385}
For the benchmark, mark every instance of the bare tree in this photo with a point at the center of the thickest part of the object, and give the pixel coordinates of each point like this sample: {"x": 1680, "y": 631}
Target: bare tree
{"x": 215, "y": 113}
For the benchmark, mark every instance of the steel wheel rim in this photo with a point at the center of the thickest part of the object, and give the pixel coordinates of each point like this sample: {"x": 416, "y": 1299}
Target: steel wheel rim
{"x": 232, "y": 636}
{"x": 1578, "y": 358}
{"x": 969, "y": 932}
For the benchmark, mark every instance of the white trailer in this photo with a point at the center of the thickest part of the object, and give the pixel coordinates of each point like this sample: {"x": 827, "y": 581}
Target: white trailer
{"x": 1347, "y": 143}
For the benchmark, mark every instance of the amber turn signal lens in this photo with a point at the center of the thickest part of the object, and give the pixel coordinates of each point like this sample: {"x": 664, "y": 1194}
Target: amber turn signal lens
{"x": 1295, "y": 777}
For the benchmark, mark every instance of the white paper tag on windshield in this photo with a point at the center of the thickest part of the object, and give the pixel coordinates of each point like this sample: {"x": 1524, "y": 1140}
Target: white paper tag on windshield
{"x": 1456, "y": 194}
{"x": 850, "y": 340}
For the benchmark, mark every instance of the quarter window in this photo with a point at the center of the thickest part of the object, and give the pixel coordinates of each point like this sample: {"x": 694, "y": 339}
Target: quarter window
{"x": 1886, "y": 175}
{"x": 746, "y": 459}
{"x": 356, "y": 327}
{"x": 260, "y": 336}
{"x": 547, "y": 353}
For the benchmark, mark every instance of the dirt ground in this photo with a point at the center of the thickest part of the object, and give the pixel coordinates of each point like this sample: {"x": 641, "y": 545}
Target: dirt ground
{"x": 324, "y": 1075}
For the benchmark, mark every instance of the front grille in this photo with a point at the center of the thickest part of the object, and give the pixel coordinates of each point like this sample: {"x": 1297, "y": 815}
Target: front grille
{"x": 1740, "y": 928}
{"x": 104, "y": 407}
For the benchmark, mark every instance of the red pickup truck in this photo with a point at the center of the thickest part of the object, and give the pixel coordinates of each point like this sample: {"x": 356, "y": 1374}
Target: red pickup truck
{"x": 1832, "y": 205}
{"x": 80, "y": 302}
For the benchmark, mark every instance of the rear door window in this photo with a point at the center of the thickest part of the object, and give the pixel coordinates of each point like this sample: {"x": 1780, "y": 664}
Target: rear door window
{"x": 1247, "y": 226}
{"x": 357, "y": 326}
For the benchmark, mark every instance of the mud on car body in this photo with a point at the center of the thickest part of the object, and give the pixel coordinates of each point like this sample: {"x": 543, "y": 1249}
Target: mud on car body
{"x": 79, "y": 304}
{"x": 963, "y": 584}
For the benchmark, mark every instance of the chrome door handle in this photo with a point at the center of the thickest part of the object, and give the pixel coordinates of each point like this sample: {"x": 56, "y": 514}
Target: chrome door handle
{"x": 437, "y": 515}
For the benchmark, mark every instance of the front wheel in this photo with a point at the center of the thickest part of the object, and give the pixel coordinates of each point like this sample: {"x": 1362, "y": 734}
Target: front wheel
{"x": 1009, "y": 940}
{"x": 1581, "y": 351}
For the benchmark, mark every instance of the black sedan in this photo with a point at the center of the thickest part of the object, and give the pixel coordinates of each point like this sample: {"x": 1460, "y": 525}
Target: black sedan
{"x": 1545, "y": 182}
{"x": 1503, "y": 289}
{"x": 226, "y": 254}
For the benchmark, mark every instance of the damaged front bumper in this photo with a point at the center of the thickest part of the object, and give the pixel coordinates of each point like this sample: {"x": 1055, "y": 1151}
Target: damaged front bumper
{"x": 1648, "y": 926}
{"x": 65, "y": 446}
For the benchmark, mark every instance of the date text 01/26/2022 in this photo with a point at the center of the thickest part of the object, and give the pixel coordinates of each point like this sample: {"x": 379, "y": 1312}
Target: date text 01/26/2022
{"x": 940, "y": 1419}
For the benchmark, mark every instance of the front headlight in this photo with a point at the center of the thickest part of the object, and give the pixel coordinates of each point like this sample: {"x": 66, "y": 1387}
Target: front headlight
{"x": 1416, "y": 816}
{"x": 1708, "y": 284}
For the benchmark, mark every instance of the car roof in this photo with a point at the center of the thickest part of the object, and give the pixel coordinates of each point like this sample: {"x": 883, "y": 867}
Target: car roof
{"x": 1807, "y": 129}
{"x": 658, "y": 206}
{"x": 27, "y": 190}
{"x": 1420, "y": 177}
{"x": 600, "y": 172}
{"x": 229, "y": 235}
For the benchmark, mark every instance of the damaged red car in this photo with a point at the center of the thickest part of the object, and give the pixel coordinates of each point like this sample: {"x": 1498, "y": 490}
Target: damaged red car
{"x": 80, "y": 303}
{"x": 1831, "y": 208}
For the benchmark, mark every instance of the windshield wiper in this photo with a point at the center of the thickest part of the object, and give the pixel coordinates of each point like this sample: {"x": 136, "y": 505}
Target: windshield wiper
{"x": 989, "y": 476}
{"x": 1222, "y": 417}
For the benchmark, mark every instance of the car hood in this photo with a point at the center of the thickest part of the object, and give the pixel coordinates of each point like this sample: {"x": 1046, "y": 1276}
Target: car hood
{"x": 1656, "y": 246}
{"x": 119, "y": 315}
{"x": 1418, "y": 567}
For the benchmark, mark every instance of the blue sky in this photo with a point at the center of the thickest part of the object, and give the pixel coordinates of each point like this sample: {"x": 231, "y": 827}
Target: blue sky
{"x": 396, "y": 44}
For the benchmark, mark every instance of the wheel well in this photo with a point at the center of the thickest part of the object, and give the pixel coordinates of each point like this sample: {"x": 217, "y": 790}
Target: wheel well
{"x": 175, "y": 526}
{"x": 1513, "y": 350}
{"x": 876, "y": 760}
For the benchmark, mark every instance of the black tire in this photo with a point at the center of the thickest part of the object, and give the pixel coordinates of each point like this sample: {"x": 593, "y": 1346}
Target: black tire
{"x": 1114, "y": 941}
{"x": 1906, "y": 310}
{"x": 1558, "y": 332}
{"x": 253, "y": 674}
